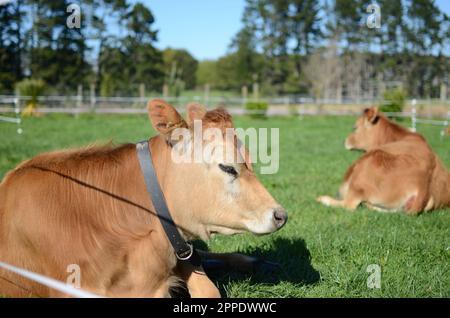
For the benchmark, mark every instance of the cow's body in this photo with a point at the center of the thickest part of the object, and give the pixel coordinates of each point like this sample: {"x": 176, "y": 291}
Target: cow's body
{"x": 399, "y": 171}
{"x": 78, "y": 207}
{"x": 402, "y": 175}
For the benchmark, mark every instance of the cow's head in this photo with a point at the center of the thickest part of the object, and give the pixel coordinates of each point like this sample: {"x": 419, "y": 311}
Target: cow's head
{"x": 365, "y": 131}
{"x": 216, "y": 192}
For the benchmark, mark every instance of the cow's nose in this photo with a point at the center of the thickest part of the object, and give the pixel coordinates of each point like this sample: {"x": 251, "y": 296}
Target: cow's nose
{"x": 279, "y": 217}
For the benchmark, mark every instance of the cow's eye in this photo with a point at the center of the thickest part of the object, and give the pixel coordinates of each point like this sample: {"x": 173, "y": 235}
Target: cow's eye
{"x": 228, "y": 169}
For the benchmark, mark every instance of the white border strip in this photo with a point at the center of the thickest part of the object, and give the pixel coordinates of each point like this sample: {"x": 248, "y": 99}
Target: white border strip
{"x": 10, "y": 119}
{"x": 49, "y": 282}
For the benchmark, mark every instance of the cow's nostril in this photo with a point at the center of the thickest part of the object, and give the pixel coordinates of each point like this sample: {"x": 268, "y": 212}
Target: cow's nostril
{"x": 280, "y": 217}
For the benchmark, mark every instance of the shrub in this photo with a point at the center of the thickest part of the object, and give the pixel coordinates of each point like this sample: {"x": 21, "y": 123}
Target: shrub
{"x": 257, "y": 109}
{"x": 32, "y": 88}
{"x": 394, "y": 101}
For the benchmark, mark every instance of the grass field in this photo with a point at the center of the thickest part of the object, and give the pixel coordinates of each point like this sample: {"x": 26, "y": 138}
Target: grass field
{"x": 323, "y": 252}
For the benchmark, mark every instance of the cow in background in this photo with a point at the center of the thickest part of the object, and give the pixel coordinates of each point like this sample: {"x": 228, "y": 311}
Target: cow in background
{"x": 398, "y": 172}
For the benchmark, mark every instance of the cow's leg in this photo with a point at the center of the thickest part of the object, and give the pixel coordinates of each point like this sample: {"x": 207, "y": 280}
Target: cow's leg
{"x": 418, "y": 203}
{"x": 235, "y": 261}
{"x": 198, "y": 283}
{"x": 377, "y": 208}
{"x": 430, "y": 204}
{"x": 350, "y": 202}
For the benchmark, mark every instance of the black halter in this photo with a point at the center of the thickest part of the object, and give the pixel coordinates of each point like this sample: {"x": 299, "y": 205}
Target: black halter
{"x": 183, "y": 250}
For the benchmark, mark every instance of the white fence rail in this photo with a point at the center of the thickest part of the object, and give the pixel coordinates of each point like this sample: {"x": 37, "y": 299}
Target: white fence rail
{"x": 425, "y": 111}
{"x": 15, "y": 102}
{"x": 78, "y": 103}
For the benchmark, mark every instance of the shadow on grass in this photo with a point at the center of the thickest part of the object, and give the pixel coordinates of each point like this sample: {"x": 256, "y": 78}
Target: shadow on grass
{"x": 292, "y": 256}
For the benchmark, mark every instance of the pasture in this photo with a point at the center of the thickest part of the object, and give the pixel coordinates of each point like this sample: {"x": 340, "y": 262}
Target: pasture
{"x": 323, "y": 252}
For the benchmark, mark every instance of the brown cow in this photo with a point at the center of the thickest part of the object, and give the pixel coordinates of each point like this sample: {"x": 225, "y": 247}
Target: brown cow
{"x": 90, "y": 207}
{"x": 399, "y": 170}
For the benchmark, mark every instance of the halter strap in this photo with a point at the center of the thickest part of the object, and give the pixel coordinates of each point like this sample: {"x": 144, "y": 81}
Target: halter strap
{"x": 183, "y": 250}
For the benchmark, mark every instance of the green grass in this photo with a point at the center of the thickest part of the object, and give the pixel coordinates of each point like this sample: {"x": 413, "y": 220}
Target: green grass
{"x": 323, "y": 252}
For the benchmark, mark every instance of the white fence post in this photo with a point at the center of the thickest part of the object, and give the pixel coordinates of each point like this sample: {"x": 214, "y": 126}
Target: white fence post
{"x": 79, "y": 96}
{"x": 142, "y": 91}
{"x": 79, "y": 99}
{"x": 206, "y": 89}
{"x": 93, "y": 97}
{"x": 17, "y": 112}
{"x": 446, "y": 125}
{"x": 244, "y": 94}
{"x": 413, "y": 115}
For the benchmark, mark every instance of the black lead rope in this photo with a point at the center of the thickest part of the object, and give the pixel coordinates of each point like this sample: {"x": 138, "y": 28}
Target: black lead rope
{"x": 183, "y": 250}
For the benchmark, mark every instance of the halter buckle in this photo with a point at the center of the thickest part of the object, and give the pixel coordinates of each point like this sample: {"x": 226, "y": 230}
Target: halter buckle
{"x": 183, "y": 256}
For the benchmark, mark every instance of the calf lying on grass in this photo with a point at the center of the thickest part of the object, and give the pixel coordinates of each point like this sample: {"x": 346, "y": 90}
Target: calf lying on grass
{"x": 90, "y": 207}
{"x": 398, "y": 172}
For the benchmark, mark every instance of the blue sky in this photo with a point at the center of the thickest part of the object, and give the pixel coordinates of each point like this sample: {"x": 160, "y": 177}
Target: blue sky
{"x": 205, "y": 27}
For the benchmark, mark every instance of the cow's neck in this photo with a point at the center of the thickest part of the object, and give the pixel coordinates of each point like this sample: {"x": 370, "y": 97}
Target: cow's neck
{"x": 169, "y": 176}
{"x": 392, "y": 132}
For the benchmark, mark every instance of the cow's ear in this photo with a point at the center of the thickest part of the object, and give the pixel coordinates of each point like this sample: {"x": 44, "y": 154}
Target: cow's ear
{"x": 372, "y": 115}
{"x": 164, "y": 117}
{"x": 195, "y": 111}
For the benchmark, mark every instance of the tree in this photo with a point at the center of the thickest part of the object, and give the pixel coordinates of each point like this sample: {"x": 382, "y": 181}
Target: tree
{"x": 206, "y": 73}
{"x": 139, "y": 22}
{"x": 57, "y": 53}
{"x": 423, "y": 32}
{"x": 249, "y": 63}
{"x": 115, "y": 48}
{"x": 349, "y": 23}
{"x": 103, "y": 13}
{"x": 184, "y": 62}
{"x": 305, "y": 28}
{"x": 113, "y": 76}
{"x": 392, "y": 26}
{"x": 11, "y": 45}
{"x": 226, "y": 73}
{"x": 324, "y": 72}
{"x": 270, "y": 27}
{"x": 144, "y": 66}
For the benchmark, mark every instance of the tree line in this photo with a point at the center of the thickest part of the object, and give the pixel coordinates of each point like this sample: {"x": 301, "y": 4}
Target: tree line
{"x": 113, "y": 49}
{"x": 326, "y": 49}
{"x": 322, "y": 48}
